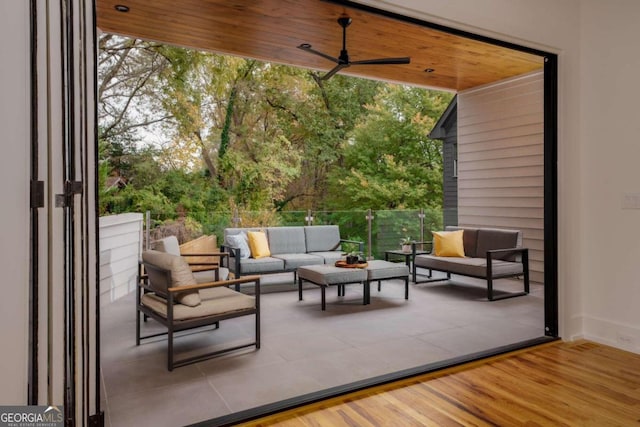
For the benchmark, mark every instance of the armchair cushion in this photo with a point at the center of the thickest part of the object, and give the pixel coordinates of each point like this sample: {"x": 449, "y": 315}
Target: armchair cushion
{"x": 214, "y": 301}
{"x": 181, "y": 275}
{"x": 167, "y": 244}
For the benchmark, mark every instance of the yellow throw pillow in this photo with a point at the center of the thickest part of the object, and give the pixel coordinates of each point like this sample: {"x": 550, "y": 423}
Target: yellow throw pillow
{"x": 258, "y": 244}
{"x": 448, "y": 243}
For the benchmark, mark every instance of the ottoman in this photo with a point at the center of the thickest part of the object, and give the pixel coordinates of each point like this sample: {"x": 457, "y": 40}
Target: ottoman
{"x": 385, "y": 270}
{"x": 327, "y": 275}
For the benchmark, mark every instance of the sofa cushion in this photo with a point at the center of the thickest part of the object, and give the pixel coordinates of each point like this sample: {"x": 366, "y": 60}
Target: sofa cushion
{"x": 257, "y": 266}
{"x": 448, "y": 243}
{"x": 330, "y": 257}
{"x": 293, "y": 261}
{"x": 286, "y": 240}
{"x": 240, "y": 241}
{"x": 322, "y": 238}
{"x": 258, "y": 244}
{"x": 468, "y": 266}
{"x": 181, "y": 275}
{"x": 492, "y": 238}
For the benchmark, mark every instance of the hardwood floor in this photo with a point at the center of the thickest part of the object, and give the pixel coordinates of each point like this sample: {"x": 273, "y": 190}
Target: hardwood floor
{"x": 557, "y": 384}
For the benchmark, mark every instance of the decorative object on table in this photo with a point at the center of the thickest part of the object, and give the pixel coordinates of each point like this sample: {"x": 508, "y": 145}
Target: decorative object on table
{"x": 352, "y": 258}
{"x": 357, "y": 264}
{"x": 405, "y": 243}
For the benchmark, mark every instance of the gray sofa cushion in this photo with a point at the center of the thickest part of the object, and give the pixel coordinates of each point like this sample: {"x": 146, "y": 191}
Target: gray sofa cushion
{"x": 239, "y": 241}
{"x": 491, "y": 238}
{"x": 322, "y": 238}
{"x": 257, "y": 266}
{"x": 286, "y": 240}
{"x": 468, "y": 266}
{"x": 330, "y": 257}
{"x": 231, "y": 231}
{"x": 293, "y": 261}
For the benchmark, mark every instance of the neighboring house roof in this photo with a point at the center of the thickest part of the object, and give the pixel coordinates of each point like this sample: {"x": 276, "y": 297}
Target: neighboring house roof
{"x": 446, "y": 120}
{"x": 115, "y": 181}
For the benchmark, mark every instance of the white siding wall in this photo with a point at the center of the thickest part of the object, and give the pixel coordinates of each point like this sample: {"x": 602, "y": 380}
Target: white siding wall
{"x": 500, "y": 161}
{"x": 120, "y": 249}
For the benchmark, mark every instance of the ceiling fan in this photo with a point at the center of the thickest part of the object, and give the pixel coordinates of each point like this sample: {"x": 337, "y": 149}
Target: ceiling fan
{"x": 343, "y": 61}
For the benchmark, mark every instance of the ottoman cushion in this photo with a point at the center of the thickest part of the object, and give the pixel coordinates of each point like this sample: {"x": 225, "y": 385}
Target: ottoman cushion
{"x": 329, "y": 275}
{"x": 380, "y": 270}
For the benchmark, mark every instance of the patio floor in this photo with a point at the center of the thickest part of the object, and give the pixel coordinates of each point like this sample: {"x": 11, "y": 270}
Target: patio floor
{"x": 303, "y": 348}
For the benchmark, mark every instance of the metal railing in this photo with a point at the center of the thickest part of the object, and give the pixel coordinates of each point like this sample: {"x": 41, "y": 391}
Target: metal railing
{"x": 381, "y": 230}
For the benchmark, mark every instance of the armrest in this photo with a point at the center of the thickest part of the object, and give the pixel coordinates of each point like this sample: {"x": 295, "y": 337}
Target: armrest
{"x": 219, "y": 254}
{"x": 233, "y": 252}
{"x": 428, "y": 243}
{"x": 196, "y": 267}
{"x": 245, "y": 279}
{"x": 360, "y": 244}
{"x": 521, "y": 251}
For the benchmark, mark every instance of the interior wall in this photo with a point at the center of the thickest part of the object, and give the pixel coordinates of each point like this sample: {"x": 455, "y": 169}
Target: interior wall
{"x": 501, "y": 161}
{"x": 610, "y": 203}
{"x": 14, "y": 191}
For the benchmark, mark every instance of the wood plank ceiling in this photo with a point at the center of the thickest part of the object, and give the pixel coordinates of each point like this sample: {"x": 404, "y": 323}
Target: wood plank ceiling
{"x": 271, "y": 30}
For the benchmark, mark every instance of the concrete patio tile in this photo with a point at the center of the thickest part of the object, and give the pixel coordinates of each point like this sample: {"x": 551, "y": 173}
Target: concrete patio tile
{"x": 247, "y": 388}
{"x": 173, "y": 405}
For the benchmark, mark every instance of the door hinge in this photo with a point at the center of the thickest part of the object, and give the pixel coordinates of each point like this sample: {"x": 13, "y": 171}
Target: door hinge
{"x": 37, "y": 194}
{"x": 71, "y": 188}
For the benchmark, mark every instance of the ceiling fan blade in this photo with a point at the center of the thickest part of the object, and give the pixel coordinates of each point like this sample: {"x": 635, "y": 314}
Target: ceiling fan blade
{"x": 307, "y": 48}
{"x": 333, "y": 71}
{"x": 382, "y": 61}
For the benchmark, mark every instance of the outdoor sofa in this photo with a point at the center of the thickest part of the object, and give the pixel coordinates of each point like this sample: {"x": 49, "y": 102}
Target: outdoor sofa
{"x": 489, "y": 253}
{"x": 289, "y": 247}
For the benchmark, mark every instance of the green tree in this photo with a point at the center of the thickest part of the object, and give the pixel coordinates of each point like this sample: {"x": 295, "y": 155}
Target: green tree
{"x": 389, "y": 162}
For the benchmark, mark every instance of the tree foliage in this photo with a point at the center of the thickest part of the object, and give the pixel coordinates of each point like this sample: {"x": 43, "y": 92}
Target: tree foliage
{"x": 184, "y": 132}
{"x": 389, "y": 161}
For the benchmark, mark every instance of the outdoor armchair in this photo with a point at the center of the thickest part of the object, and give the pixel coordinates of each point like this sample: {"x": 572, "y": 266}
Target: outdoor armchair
{"x": 170, "y": 295}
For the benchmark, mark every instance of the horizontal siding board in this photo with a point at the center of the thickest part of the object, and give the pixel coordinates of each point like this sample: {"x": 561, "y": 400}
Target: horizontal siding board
{"x": 498, "y": 111}
{"x": 501, "y": 192}
{"x": 515, "y": 162}
{"x": 499, "y": 222}
{"x": 515, "y": 202}
{"x": 511, "y": 132}
{"x": 526, "y": 181}
{"x": 505, "y": 212}
{"x": 508, "y": 172}
{"x": 502, "y": 153}
{"x": 494, "y": 144}
{"x": 528, "y": 86}
{"x": 509, "y": 122}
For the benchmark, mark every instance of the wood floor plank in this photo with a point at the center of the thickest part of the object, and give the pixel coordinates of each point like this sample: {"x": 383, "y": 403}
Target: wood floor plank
{"x": 560, "y": 384}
